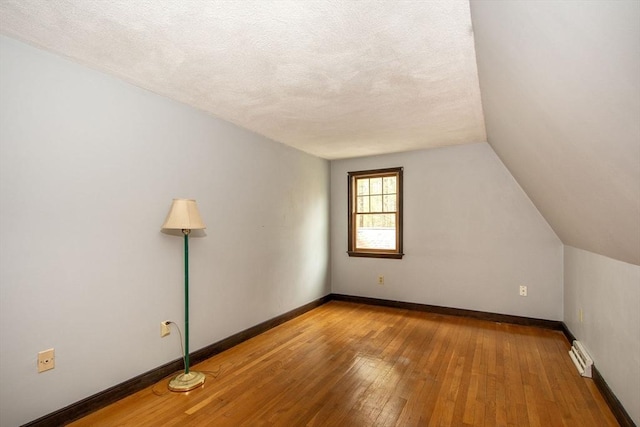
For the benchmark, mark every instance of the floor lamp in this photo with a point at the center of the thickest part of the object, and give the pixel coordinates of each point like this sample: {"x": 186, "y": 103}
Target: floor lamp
{"x": 184, "y": 216}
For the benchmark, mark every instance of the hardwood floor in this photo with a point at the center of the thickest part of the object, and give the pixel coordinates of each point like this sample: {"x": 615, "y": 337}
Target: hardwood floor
{"x": 346, "y": 364}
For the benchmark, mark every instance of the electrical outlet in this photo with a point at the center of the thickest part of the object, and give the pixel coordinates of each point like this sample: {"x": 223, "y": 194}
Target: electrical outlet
{"x": 523, "y": 291}
{"x": 46, "y": 360}
{"x": 381, "y": 280}
{"x": 164, "y": 328}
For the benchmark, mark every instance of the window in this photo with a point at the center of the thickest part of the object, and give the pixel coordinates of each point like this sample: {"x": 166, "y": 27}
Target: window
{"x": 375, "y": 213}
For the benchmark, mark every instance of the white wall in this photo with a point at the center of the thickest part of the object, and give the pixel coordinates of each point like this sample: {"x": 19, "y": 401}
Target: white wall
{"x": 608, "y": 292}
{"x": 88, "y": 167}
{"x": 471, "y": 237}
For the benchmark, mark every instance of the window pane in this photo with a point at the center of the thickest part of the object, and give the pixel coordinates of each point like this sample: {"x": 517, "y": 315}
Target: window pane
{"x": 363, "y": 204}
{"x": 389, "y": 203}
{"x": 367, "y": 221}
{"x": 377, "y": 220}
{"x": 363, "y": 187}
{"x": 389, "y": 220}
{"x": 375, "y": 186}
{"x": 376, "y": 204}
{"x": 376, "y": 231}
{"x": 390, "y": 185}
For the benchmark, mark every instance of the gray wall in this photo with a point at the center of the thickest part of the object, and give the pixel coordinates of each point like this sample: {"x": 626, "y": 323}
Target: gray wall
{"x": 88, "y": 167}
{"x": 471, "y": 237}
{"x": 608, "y": 293}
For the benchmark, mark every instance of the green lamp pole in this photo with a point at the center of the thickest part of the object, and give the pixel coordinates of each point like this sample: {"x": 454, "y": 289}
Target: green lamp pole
{"x": 186, "y": 301}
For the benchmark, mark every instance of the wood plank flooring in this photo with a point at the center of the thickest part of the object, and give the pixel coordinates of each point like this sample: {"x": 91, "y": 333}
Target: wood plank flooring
{"x": 346, "y": 364}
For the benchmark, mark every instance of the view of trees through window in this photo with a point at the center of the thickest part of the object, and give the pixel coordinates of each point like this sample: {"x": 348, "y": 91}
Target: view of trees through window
{"x": 376, "y": 212}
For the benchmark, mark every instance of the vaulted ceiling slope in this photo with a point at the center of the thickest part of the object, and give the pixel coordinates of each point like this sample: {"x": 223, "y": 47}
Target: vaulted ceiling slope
{"x": 560, "y": 84}
{"x": 333, "y": 78}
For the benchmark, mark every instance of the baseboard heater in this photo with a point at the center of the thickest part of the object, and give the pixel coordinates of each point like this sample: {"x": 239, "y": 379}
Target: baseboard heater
{"x": 581, "y": 359}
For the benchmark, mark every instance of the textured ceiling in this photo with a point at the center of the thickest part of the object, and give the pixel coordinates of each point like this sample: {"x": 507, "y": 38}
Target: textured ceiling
{"x": 560, "y": 87}
{"x": 333, "y": 78}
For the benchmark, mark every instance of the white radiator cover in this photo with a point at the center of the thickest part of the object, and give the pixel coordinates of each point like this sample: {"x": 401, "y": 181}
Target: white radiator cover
{"x": 581, "y": 359}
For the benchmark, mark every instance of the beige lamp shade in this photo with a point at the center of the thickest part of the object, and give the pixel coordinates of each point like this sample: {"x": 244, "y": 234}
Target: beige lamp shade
{"x": 183, "y": 215}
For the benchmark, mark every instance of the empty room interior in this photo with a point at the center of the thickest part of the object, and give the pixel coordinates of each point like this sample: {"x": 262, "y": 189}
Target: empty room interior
{"x": 348, "y": 212}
